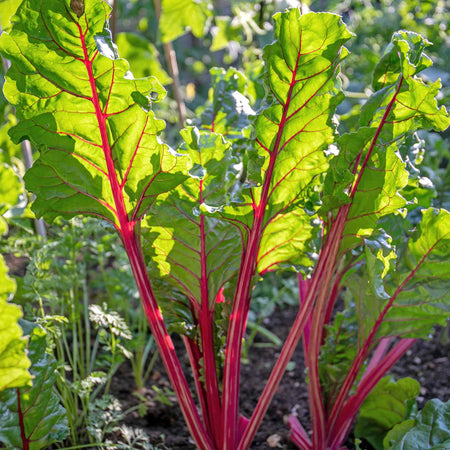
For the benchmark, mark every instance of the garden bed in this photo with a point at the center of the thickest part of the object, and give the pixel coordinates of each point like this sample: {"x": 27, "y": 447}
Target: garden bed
{"x": 427, "y": 361}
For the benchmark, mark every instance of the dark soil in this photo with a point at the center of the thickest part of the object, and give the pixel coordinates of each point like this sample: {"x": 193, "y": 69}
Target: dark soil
{"x": 426, "y": 361}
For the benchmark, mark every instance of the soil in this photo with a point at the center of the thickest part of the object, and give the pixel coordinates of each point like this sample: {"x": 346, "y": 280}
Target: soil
{"x": 426, "y": 361}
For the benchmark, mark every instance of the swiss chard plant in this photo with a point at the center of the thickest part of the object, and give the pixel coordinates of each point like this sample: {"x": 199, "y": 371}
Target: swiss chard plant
{"x": 246, "y": 193}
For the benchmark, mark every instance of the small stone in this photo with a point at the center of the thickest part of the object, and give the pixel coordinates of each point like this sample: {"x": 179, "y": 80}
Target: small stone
{"x": 274, "y": 441}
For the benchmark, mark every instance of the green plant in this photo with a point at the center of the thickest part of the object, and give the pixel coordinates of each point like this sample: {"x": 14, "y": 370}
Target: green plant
{"x": 201, "y": 223}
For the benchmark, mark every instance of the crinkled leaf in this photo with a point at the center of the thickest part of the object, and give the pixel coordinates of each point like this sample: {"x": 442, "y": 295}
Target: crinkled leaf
{"x": 98, "y": 138}
{"x": 142, "y": 56}
{"x": 388, "y": 404}
{"x": 292, "y": 133}
{"x": 229, "y": 110}
{"x": 14, "y": 363}
{"x": 177, "y": 16}
{"x": 369, "y": 172}
{"x": 422, "y": 278}
{"x": 193, "y": 251}
{"x": 413, "y": 296}
{"x": 44, "y": 419}
{"x": 430, "y": 430}
{"x": 403, "y": 55}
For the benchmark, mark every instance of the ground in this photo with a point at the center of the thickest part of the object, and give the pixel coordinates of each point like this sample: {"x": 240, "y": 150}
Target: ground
{"x": 426, "y": 361}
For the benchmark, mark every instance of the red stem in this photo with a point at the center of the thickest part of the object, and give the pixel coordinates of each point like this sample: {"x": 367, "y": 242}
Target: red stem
{"x": 125, "y": 228}
{"x": 214, "y": 407}
{"x": 318, "y": 280}
{"x": 194, "y": 356}
{"x": 353, "y": 404}
{"x": 377, "y": 356}
{"x": 363, "y": 353}
{"x": 241, "y": 304}
{"x": 298, "y": 434}
{"x": 303, "y": 289}
{"x": 25, "y": 440}
{"x": 206, "y": 322}
{"x": 315, "y": 398}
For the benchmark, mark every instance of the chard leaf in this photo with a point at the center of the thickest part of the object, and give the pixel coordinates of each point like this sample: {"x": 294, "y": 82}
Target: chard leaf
{"x": 230, "y": 109}
{"x": 11, "y": 188}
{"x": 91, "y": 121}
{"x": 413, "y": 296}
{"x": 430, "y": 430}
{"x": 14, "y": 363}
{"x": 37, "y": 407}
{"x": 388, "y": 404}
{"x": 293, "y": 132}
{"x": 369, "y": 172}
{"x": 419, "y": 291}
{"x": 177, "y": 16}
{"x": 194, "y": 252}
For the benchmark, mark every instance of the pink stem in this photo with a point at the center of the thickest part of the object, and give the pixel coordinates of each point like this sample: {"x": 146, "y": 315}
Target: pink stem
{"x": 377, "y": 356}
{"x": 164, "y": 343}
{"x": 23, "y": 436}
{"x": 353, "y": 404}
{"x": 303, "y": 289}
{"x": 126, "y": 228}
{"x": 194, "y": 358}
{"x": 241, "y": 304}
{"x": 321, "y": 273}
{"x": 359, "y": 360}
{"x": 298, "y": 434}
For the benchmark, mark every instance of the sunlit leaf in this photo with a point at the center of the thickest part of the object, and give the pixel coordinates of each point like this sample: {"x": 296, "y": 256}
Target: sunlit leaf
{"x": 14, "y": 363}
{"x": 98, "y": 138}
{"x": 178, "y": 16}
{"x": 142, "y": 56}
{"x": 37, "y": 407}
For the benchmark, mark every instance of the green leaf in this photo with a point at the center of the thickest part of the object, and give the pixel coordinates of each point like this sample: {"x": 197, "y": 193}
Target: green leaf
{"x": 229, "y": 111}
{"x": 403, "y": 55}
{"x": 225, "y": 30}
{"x": 98, "y": 138}
{"x": 11, "y": 189}
{"x": 421, "y": 283}
{"x": 194, "y": 252}
{"x": 369, "y": 172}
{"x": 293, "y": 133}
{"x": 142, "y": 56}
{"x": 177, "y": 16}
{"x": 14, "y": 363}
{"x": 387, "y": 405}
{"x": 7, "y": 9}
{"x": 44, "y": 420}
{"x": 413, "y": 295}
{"x": 430, "y": 430}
